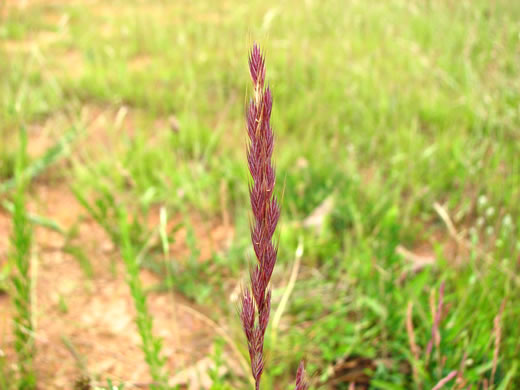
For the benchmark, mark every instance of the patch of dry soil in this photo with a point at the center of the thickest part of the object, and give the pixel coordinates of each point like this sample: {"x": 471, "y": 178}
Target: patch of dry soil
{"x": 86, "y": 325}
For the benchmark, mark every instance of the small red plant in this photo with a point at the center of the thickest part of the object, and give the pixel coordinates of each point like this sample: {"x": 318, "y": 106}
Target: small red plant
{"x": 256, "y": 299}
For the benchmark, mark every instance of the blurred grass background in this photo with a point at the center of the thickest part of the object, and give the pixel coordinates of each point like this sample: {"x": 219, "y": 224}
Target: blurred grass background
{"x": 397, "y": 126}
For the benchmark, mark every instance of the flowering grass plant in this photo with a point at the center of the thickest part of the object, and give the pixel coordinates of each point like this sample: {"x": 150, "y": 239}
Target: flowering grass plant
{"x": 256, "y": 300}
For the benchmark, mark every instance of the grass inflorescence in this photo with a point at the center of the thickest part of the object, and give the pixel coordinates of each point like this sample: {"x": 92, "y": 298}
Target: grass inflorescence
{"x": 256, "y": 299}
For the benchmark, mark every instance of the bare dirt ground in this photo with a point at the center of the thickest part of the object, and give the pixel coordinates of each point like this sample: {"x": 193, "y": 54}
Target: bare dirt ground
{"x": 86, "y": 325}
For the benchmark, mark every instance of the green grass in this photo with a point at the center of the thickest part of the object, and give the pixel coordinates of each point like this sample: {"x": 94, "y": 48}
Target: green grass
{"x": 22, "y": 283}
{"x": 388, "y": 107}
{"x": 151, "y": 345}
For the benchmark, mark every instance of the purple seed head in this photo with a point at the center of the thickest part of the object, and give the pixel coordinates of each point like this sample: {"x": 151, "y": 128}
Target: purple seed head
{"x": 257, "y": 66}
{"x": 301, "y": 382}
{"x": 256, "y": 300}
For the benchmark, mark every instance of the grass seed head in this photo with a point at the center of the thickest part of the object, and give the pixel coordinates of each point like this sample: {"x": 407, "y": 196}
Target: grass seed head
{"x": 256, "y": 300}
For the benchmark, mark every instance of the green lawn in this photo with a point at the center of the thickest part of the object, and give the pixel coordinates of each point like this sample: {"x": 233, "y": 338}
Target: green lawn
{"x": 402, "y": 116}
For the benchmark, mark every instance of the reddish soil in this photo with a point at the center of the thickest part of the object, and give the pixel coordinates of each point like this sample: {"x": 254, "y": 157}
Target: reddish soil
{"x": 85, "y": 326}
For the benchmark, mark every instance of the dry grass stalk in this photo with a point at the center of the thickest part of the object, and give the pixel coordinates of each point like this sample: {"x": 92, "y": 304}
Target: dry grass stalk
{"x": 497, "y": 330}
{"x": 445, "y": 380}
{"x": 437, "y": 313}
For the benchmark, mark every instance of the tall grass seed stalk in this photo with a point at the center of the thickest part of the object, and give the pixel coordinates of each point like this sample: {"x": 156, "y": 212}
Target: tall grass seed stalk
{"x": 256, "y": 299}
